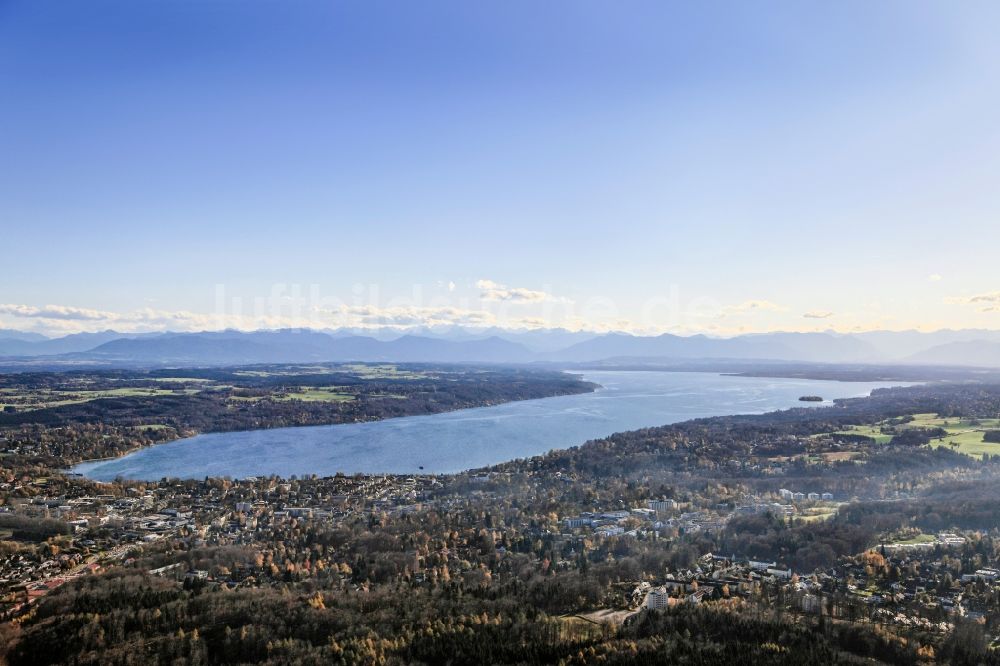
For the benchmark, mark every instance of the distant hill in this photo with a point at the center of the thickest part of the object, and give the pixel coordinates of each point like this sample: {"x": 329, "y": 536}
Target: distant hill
{"x": 982, "y": 353}
{"x": 24, "y": 336}
{"x": 774, "y": 346}
{"x": 290, "y": 346}
{"x": 899, "y": 345}
{"x": 42, "y": 346}
{"x": 542, "y": 340}
{"x": 496, "y": 345}
{"x": 536, "y": 340}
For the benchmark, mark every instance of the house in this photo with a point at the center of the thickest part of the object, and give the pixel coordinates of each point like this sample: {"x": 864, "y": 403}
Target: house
{"x": 698, "y": 595}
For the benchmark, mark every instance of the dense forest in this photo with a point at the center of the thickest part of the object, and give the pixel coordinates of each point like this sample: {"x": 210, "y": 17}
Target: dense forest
{"x": 139, "y": 620}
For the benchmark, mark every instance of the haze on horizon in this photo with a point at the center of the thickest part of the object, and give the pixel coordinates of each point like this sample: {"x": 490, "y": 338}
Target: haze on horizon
{"x": 661, "y": 167}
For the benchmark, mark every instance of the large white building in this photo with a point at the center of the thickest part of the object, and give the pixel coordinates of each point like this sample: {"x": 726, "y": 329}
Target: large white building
{"x": 662, "y": 505}
{"x": 658, "y": 597}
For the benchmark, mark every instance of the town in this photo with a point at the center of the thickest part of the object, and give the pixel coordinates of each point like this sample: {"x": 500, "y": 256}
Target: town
{"x": 780, "y": 514}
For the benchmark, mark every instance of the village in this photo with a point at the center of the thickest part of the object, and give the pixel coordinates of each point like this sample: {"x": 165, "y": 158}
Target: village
{"x": 922, "y": 583}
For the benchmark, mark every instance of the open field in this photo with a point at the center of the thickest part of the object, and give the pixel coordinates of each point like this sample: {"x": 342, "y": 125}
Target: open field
{"x": 44, "y": 399}
{"x": 874, "y": 432}
{"x": 964, "y": 435}
{"x": 317, "y": 395}
{"x": 933, "y": 420}
{"x": 193, "y": 380}
{"x": 969, "y": 443}
{"x": 360, "y": 370}
{"x": 387, "y": 371}
{"x": 916, "y": 540}
{"x": 817, "y": 515}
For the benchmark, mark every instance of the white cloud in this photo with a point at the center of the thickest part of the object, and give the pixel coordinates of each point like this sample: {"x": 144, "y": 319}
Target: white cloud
{"x": 494, "y": 291}
{"x": 62, "y": 319}
{"x": 988, "y": 302}
{"x": 754, "y": 305}
{"x": 54, "y": 312}
{"x": 934, "y": 277}
{"x": 406, "y": 316}
{"x": 817, "y": 314}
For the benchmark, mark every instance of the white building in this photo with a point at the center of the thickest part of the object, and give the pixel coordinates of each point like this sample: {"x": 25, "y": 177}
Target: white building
{"x": 610, "y": 530}
{"x": 658, "y": 597}
{"x": 662, "y": 505}
{"x": 810, "y": 603}
{"x": 579, "y": 521}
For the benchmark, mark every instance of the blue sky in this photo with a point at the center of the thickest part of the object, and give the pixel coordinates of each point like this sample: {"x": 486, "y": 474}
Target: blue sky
{"x": 684, "y": 167}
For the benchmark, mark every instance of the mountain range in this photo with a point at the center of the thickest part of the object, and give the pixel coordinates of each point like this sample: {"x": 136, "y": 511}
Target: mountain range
{"x": 954, "y": 348}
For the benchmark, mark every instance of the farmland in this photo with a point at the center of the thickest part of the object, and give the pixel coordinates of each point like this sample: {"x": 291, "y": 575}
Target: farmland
{"x": 964, "y": 435}
{"x": 31, "y": 400}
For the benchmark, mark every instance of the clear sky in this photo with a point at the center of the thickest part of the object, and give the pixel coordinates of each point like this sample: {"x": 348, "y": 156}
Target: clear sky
{"x": 698, "y": 166}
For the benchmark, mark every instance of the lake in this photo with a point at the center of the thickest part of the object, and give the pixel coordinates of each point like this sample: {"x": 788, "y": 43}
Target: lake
{"x": 470, "y": 438}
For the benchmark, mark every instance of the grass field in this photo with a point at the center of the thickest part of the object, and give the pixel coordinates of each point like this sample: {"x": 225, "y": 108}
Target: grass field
{"x": 965, "y": 434}
{"x": 916, "y": 540}
{"x": 815, "y": 516}
{"x": 867, "y": 431}
{"x": 42, "y": 399}
{"x": 968, "y": 443}
{"x": 290, "y": 371}
{"x": 386, "y": 371}
{"x": 186, "y": 380}
{"x": 317, "y": 395}
{"x": 361, "y": 370}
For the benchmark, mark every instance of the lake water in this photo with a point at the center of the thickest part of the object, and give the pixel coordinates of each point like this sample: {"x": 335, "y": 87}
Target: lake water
{"x": 470, "y": 438}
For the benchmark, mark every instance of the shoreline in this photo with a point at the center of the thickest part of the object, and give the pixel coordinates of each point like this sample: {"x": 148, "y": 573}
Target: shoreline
{"x": 71, "y": 471}
{"x": 316, "y": 454}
